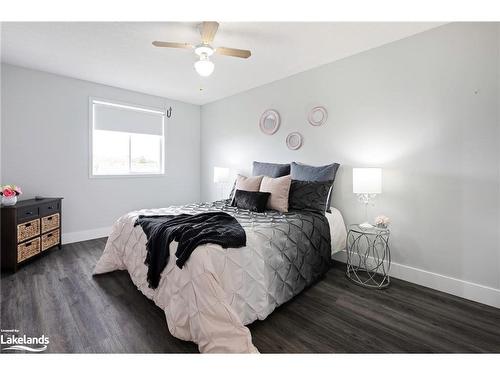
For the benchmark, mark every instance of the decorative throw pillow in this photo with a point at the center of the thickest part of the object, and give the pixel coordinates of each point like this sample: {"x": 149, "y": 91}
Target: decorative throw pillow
{"x": 250, "y": 200}
{"x": 246, "y": 183}
{"x": 279, "y": 189}
{"x": 270, "y": 169}
{"x": 309, "y": 195}
{"x": 304, "y": 172}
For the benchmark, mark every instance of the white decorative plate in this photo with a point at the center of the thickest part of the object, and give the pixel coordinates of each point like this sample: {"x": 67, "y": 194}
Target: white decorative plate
{"x": 317, "y": 116}
{"x": 269, "y": 122}
{"x": 294, "y": 141}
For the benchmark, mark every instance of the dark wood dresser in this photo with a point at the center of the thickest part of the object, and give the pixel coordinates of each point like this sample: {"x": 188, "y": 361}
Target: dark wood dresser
{"x": 29, "y": 228}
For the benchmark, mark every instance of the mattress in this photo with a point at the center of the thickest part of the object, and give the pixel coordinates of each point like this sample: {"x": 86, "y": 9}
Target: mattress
{"x": 220, "y": 291}
{"x": 338, "y": 231}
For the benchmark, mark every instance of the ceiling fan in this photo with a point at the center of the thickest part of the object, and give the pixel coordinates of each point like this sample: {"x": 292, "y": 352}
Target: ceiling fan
{"x": 204, "y": 50}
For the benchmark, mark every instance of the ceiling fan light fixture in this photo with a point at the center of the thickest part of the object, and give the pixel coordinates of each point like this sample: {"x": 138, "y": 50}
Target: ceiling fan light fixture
{"x": 204, "y": 67}
{"x": 204, "y": 49}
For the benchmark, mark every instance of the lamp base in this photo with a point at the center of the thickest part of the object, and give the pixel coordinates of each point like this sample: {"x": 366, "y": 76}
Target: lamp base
{"x": 366, "y": 225}
{"x": 366, "y": 199}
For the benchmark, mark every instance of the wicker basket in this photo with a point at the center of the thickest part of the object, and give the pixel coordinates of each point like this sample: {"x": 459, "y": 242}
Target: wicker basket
{"x": 28, "y": 230}
{"x": 50, "y": 222}
{"x": 28, "y": 249}
{"x": 50, "y": 239}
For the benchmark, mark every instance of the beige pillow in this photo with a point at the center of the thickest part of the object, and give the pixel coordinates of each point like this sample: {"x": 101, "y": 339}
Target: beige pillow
{"x": 248, "y": 183}
{"x": 279, "y": 189}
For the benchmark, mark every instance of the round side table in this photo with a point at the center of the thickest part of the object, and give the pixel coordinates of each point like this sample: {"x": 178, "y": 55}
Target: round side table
{"x": 368, "y": 256}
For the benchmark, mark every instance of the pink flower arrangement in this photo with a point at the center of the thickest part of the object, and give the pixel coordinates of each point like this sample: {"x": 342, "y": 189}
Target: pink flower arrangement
{"x": 10, "y": 190}
{"x": 382, "y": 221}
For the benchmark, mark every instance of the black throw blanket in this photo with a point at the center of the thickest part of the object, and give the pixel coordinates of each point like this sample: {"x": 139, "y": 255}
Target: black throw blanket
{"x": 190, "y": 231}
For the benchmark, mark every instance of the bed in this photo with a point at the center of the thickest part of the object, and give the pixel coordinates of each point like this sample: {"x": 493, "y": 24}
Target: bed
{"x": 220, "y": 291}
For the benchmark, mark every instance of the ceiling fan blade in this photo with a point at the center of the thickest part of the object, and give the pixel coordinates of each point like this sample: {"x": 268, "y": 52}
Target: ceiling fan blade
{"x": 243, "y": 53}
{"x": 172, "y": 44}
{"x": 208, "y": 31}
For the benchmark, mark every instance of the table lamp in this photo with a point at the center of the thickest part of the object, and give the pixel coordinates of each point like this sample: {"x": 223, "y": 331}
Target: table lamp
{"x": 366, "y": 184}
{"x": 221, "y": 177}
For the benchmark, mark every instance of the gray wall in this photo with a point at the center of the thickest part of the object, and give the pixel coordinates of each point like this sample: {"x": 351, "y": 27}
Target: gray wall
{"x": 425, "y": 109}
{"x": 45, "y": 145}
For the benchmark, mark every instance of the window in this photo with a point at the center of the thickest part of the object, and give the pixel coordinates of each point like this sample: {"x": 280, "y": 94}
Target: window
{"x": 126, "y": 140}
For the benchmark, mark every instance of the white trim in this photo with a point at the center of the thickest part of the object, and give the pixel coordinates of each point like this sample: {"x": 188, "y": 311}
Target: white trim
{"x": 461, "y": 288}
{"x": 85, "y": 235}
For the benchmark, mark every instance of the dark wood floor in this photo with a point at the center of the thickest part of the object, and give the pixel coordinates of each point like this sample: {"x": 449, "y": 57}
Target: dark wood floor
{"x": 57, "y": 296}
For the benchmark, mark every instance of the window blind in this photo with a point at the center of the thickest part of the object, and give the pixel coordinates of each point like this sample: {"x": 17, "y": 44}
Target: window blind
{"x": 127, "y": 119}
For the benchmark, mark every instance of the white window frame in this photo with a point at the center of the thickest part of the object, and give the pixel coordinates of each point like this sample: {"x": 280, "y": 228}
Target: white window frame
{"x": 92, "y": 100}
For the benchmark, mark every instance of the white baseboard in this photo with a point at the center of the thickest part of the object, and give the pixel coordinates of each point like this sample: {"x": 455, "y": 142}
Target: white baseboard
{"x": 85, "y": 235}
{"x": 461, "y": 288}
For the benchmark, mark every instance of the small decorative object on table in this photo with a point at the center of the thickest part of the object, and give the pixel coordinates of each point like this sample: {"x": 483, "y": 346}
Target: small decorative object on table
{"x": 9, "y": 194}
{"x": 382, "y": 221}
{"x": 368, "y": 256}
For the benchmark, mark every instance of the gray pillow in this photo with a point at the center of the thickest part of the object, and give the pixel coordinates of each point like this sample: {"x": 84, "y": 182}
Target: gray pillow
{"x": 309, "y": 195}
{"x": 304, "y": 172}
{"x": 270, "y": 169}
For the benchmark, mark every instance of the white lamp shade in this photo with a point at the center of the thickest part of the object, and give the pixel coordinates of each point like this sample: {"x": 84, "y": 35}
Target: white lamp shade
{"x": 221, "y": 175}
{"x": 204, "y": 67}
{"x": 367, "y": 180}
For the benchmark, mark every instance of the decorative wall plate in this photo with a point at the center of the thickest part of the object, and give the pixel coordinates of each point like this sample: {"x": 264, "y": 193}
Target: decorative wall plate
{"x": 317, "y": 116}
{"x": 269, "y": 122}
{"x": 294, "y": 141}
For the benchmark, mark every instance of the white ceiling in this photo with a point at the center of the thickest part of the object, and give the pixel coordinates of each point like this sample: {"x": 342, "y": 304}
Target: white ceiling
{"x": 120, "y": 53}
